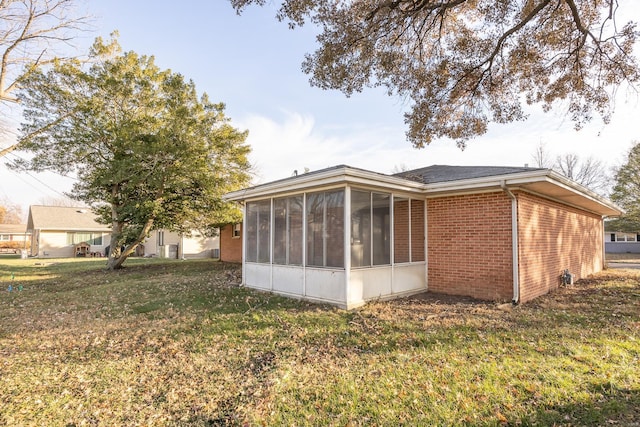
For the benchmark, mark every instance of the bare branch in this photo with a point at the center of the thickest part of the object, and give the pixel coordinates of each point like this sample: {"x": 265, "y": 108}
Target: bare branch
{"x": 33, "y": 27}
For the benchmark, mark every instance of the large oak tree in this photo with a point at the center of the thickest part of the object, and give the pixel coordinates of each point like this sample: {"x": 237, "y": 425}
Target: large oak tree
{"x": 462, "y": 64}
{"x": 147, "y": 151}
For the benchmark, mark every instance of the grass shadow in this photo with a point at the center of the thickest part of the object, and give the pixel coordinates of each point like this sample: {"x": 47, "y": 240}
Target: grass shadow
{"x": 609, "y": 405}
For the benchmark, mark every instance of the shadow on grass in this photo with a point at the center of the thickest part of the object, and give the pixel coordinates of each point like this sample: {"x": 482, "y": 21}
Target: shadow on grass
{"x": 614, "y": 406}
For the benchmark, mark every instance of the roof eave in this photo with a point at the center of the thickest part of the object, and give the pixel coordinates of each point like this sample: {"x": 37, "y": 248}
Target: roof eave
{"x": 547, "y": 183}
{"x": 544, "y": 182}
{"x": 335, "y": 176}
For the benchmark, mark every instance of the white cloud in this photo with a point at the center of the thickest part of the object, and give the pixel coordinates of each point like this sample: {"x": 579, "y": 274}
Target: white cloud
{"x": 294, "y": 141}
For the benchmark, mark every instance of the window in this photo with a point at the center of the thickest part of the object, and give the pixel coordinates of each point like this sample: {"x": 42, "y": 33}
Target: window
{"x": 287, "y": 240}
{"x": 408, "y": 230}
{"x": 401, "y": 230}
{"x": 360, "y": 228}
{"x": 258, "y": 222}
{"x": 417, "y": 231}
{"x": 625, "y": 237}
{"x": 236, "y": 230}
{"x": 325, "y": 229}
{"x": 5, "y": 237}
{"x": 73, "y": 238}
{"x": 370, "y": 229}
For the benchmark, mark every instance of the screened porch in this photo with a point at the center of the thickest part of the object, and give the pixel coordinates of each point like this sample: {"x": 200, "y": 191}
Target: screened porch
{"x": 340, "y": 245}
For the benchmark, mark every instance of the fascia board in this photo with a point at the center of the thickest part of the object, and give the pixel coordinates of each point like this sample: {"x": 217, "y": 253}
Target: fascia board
{"x": 578, "y": 191}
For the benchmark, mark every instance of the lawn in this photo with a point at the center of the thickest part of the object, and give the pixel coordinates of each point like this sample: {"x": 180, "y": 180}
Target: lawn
{"x": 180, "y": 343}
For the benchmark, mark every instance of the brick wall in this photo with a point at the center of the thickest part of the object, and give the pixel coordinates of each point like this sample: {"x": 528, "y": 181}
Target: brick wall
{"x": 469, "y": 245}
{"x": 230, "y": 247}
{"x": 554, "y": 237}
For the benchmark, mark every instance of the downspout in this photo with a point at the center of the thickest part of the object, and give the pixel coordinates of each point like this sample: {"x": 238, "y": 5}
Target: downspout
{"x": 604, "y": 245}
{"x": 514, "y": 242}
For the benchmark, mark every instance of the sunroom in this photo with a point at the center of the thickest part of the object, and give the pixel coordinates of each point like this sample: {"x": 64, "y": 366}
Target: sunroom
{"x": 342, "y": 235}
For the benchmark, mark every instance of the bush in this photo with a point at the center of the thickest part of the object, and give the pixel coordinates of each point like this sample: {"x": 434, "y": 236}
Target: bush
{"x": 6, "y": 244}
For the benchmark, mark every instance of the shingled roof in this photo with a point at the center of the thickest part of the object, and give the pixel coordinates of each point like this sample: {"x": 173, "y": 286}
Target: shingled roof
{"x": 63, "y": 218}
{"x": 445, "y": 173}
{"x": 13, "y": 228}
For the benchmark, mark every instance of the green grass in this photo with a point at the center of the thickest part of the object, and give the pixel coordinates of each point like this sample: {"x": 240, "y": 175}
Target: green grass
{"x": 179, "y": 343}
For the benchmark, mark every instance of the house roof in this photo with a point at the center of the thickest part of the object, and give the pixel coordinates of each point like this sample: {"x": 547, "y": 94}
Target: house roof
{"x": 63, "y": 218}
{"x": 13, "y": 228}
{"x": 439, "y": 180}
{"x": 445, "y": 173}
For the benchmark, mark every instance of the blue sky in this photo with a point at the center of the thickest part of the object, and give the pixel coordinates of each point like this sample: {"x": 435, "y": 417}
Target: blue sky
{"x": 252, "y": 63}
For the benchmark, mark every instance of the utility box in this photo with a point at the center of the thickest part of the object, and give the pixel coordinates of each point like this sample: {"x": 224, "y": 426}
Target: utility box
{"x": 169, "y": 251}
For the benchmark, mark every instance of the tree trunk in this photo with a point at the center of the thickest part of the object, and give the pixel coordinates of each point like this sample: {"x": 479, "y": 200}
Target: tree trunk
{"x": 117, "y": 257}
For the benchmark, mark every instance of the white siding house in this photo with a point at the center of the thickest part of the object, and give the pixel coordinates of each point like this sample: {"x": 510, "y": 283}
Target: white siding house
{"x": 57, "y": 230}
{"x": 170, "y": 244}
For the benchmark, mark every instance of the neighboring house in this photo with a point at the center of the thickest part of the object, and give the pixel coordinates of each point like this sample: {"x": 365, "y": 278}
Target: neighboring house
{"x": 346, "y": 236}
{"x": 61, "y": 232}
{"x": 169, "y": 244}
{"x": 231, "y": 243}
{"x": 13, "y": 233}
{"x": 619, "y": 242}
{"x": 13, "y": 237}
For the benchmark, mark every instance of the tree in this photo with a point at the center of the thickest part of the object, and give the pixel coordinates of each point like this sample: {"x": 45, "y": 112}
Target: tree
{"x": 589, "y": 172}
{"x": 148, "y": 153}
{"x": 626, "y": 192}
{"x": 465, "y": 63}
{"x": 542, "y": 158}
{"x": 30, "y": 32}
{"x": 10, "y": 213}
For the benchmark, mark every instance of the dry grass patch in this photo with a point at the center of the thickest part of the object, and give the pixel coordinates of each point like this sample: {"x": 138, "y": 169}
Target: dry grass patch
{"x": 179, "y": 343}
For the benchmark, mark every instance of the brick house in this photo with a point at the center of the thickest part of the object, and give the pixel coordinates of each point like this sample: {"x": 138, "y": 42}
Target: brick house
{"x": 231, "y": 243}
{"x": 346, "y": 236}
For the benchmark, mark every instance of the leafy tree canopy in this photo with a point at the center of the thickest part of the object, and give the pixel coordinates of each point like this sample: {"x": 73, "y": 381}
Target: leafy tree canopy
{"x": 626, "y": 193}
{"x": 147, "y": 151}
{"x": 465, "y": 63}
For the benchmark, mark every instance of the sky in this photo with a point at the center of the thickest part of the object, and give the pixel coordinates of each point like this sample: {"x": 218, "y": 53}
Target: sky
{"x": 252, "y": 63}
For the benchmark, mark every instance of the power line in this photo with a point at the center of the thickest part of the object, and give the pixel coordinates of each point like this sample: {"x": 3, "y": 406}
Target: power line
{"x": 53, "y": 172}
{"x": 21, "y": 178}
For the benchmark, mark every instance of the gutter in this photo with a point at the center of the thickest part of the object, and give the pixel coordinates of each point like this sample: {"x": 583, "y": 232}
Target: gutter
{"x": 514, "y": 242}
